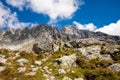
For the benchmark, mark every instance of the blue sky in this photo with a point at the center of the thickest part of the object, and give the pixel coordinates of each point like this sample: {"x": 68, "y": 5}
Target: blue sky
{"x": 84, "y": 14}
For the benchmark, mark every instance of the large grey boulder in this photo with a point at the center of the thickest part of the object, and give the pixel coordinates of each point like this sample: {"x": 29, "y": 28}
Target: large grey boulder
{"x": 67, "y": 60}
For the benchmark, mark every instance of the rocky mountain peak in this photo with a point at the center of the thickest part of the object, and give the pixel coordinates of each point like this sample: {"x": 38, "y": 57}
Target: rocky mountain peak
{"x": 46, "y": 37}
{"x": 70, "y": 30}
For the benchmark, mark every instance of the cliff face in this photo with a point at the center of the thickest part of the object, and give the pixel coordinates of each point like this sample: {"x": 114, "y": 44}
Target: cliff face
{"x": 45, "y": 38}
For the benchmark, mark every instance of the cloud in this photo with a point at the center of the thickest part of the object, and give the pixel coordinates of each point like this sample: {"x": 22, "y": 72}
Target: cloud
{"x": 9, "y": 19}
{"x": 55, "y": 9}
{"x": 112, "y": 29}
{"x": 89, "y": 26}
{"x": 19, "y": 4}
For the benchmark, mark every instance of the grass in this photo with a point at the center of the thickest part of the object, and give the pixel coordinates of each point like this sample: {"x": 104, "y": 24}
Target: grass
{"x": 89, "y": 70}
{"x": 101, "y": 74}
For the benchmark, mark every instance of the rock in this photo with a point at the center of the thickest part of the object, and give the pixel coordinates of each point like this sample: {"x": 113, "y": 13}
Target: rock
{"x": 78, "y": 79}
{"x": 110, "y": 48}
{"x": 30, "y": 73}
{"x": 34, "y": 69}
{"x": 17, "y": 55}
{"x": 3, "y": 60}
{"x": 21, "y": 69}
{"x": 46, "y": 69}
{"x": 51, "y": 78}
{"x": 66, "y": 78}
{"x": 106, "y": 57}
{"x": 115, "y": 67}
{"x": 2, "y": 68}
{"x": 91, "y": 52}
{"x": 38, "y": 62}
{"x": 22, "y": 61}
{"x": 40, "y": 38}
{"x": 2, "y": 56}
{"x": 61, "y": 71}
{"x": 72, "y": 71}
{"x": 67, "y": 60}
{"x": 32, "y": 66}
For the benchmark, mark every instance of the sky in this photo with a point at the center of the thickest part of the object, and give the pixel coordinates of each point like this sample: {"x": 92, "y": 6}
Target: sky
{"x": 92, "y": 15}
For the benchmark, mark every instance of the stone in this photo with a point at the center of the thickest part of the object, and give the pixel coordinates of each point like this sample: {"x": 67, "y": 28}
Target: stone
{"x": 67, "y": 60}
{"x": 30, "y": 73}
{"x": 38, "y": 62}
{"x": 17, "y": 55}
{"x": 61, "y": 71}
{"x": 78, "y": 79}
{"x": 46, "y": 69}
{"x": 21, "y": 69}
{"x": 106, "y": 57}
{"x": 32, "y": 66}
{"x": 52, "y": 78}
{"x": 22, "y": 61}
{"x": 115, "y": 67}
{"x": 66, "y": 78}
{"x": 91, "y": 52}
{"x": 3, "y": 60}
{"x": 2, "y": 68}
{"x": 34, "y": 69}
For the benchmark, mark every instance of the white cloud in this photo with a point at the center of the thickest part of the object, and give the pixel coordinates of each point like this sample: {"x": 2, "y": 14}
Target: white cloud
{"x": 112, "y": 29}
{"x": 10, "y": 20}
{"x": 89, "y": 26}
{"x": 19, "y": 4}
{"x": 55, "y": 9}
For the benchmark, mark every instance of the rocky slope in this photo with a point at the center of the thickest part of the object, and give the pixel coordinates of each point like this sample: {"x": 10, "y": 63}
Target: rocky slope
{"x": 44, "y": 38}
{"x": 46, "y": 53}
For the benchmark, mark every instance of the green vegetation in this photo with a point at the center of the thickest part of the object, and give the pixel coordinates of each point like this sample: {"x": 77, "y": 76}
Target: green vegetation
{"x": 89, "y": 70}
{"x": 116, "y": 57}
{"x": 101, "y": 74}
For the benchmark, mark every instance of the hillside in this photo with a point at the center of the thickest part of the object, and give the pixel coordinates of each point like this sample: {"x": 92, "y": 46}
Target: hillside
{"x": 46, "y": 53}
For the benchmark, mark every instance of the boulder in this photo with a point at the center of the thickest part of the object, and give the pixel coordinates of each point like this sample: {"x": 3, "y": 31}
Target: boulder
{"x": 106, "y": 57}
{"x": 115, "y": 67}
{"x": 67, "y": 60}
{"x": 91, "y": 52}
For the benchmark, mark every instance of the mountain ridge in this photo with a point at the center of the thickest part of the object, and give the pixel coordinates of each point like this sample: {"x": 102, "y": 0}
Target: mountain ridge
{"x": 46, "y": 53}
{"x": 46, "y": 37}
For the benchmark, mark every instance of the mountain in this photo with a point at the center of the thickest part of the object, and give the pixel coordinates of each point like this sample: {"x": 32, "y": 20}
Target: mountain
{"x": 46, "y": 53}
{"x": 44, "y": 38}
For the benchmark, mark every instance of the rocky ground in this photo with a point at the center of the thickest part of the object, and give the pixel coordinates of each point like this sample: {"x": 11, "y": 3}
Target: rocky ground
{"x": 74, "y": 60}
